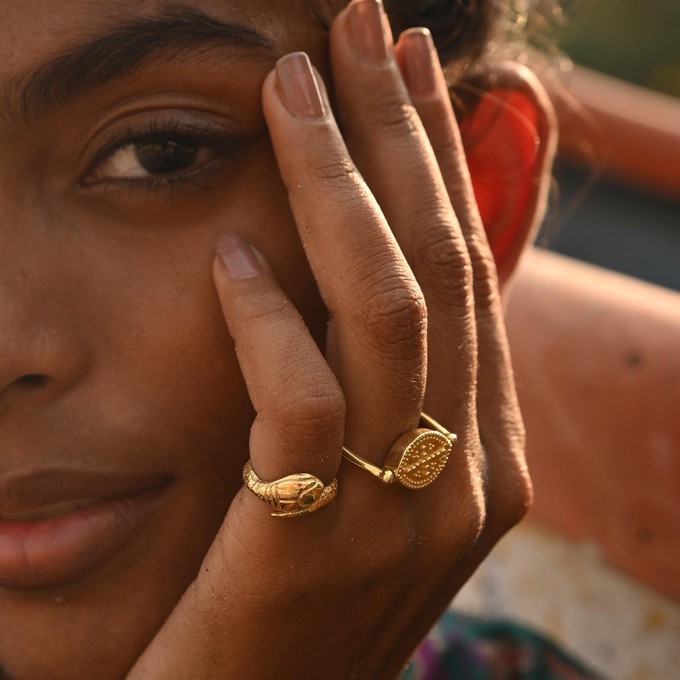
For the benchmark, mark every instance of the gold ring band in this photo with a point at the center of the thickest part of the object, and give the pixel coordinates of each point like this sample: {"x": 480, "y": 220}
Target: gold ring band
{"x": 416, "y": 457}
{"x": 291, "y": 496}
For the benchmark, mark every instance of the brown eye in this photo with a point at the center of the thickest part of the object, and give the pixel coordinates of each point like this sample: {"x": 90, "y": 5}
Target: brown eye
{"x": 146, "y": 160}
{"x": 160, "y": 153}
{"x": 165, "y": 158}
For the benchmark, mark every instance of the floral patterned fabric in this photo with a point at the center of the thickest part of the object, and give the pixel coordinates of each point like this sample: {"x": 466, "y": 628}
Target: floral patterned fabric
{"x": 464, "y": 648}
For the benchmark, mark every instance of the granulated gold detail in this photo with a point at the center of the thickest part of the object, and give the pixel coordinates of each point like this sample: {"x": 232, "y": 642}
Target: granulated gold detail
{"x": 418, "y": 457}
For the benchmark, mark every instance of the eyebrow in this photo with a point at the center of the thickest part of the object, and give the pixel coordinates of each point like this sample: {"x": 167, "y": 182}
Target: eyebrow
{"x": 123, "y": 50}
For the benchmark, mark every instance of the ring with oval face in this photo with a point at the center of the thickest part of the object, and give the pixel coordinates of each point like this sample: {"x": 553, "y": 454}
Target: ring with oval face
{"x": 415, "y": 459}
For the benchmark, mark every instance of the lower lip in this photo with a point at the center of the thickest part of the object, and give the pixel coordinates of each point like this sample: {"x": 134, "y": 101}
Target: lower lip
{"x": 59, "y": 550}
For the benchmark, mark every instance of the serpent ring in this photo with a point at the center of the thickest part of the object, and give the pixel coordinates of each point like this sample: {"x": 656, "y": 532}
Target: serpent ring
{"x": 291, "y": 496}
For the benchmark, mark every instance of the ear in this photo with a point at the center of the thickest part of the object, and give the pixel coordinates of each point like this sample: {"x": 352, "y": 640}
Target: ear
{"x": 510, "y": 137}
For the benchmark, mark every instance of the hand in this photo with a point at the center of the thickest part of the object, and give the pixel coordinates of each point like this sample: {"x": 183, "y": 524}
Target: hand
{"x": 388, "y": 219}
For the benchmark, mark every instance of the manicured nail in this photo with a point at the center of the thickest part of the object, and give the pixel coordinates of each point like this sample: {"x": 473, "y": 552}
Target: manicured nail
{"x": 369, "y": 31}
{"x": 238, "y": 257}
{"x": 420, "y": 62}
{"x": 298, "y": 87}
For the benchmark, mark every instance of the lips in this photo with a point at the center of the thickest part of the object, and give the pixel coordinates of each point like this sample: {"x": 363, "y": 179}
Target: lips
{"x": 56, "y": 527}
{"x": 52, "y": 510}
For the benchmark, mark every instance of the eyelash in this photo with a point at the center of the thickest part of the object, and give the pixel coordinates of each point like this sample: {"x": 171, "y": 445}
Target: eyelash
{"x": 156, "y": 131}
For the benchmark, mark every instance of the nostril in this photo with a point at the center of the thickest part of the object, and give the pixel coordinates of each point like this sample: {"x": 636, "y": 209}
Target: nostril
{"x": 32, "y": 380}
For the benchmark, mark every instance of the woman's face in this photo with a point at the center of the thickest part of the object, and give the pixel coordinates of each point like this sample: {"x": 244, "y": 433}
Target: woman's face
{"x": 131, "y": 139}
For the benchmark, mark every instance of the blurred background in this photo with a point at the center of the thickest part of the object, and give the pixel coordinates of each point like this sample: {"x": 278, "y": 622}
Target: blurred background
{"x": 636, "y": 40}
{"x": 619, "y": 178}
{"x": 597, "y": 356}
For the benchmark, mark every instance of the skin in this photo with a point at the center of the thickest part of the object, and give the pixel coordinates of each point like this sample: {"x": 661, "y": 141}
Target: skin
{"x": 372, "y": 251}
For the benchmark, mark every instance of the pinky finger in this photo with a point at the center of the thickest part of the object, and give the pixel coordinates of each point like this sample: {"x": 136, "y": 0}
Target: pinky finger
{"x": 500, "y": 423}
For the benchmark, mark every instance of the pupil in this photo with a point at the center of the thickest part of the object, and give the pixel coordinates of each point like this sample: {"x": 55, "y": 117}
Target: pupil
{"x": 164, "y": 158}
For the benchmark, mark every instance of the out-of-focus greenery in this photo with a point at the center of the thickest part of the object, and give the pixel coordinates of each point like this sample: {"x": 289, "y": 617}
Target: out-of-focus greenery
{"x": 637, "y": 40}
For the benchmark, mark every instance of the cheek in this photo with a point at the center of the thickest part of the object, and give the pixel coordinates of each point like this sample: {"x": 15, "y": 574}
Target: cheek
{"x": 163, "y": 363}
{"x": 274, "y": 233}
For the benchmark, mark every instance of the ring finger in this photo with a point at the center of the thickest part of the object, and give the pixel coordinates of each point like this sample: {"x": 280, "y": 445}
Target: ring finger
{"x": 393, "y": 153}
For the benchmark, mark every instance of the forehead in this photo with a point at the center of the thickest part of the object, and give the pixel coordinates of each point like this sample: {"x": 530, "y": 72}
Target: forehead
{"x": 33, "y": 30}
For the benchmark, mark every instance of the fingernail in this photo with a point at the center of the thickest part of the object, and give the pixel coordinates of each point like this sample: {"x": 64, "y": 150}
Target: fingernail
{"x": 238, "y": 257}
{"x": 298, "y": 87}
{"x": 420, "y": 62}
{"x": 369, "y": 31}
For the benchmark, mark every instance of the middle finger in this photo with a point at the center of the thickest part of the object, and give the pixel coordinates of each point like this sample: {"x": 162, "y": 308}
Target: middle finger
{"x": 377, "y": 331}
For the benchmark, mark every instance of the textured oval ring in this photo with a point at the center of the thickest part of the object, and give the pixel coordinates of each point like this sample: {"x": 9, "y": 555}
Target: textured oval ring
{"x": 415, "y": 459}
{"x": 291, "y": 496}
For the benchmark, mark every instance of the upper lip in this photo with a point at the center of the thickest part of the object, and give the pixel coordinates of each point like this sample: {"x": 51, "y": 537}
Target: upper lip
{"x": 25, "y": 491}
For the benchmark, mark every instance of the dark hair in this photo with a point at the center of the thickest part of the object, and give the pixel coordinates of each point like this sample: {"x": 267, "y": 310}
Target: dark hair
{"x": 460, "y": 28}
{"x": 468, "y": 31}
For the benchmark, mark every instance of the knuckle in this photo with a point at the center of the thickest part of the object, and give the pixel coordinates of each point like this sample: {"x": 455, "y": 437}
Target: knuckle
{"x": 333, "y": 172}
{"x": 394, "y": 114}
{"x": 465, "y": 516}
{"x": 475, "y": 520}
{"x": 316, "y": 408}
{"x": 511, "y": 494}
{"x": 485, "y": 281}
{"x": 335, "y": 180}
{"x": 452, "y": 539}
{"x": 517, "y": 493}
{"x": 523, "y": 498}
{"x": 310, "y": 424}
{"x": 447, "y": 265}
{"x": 396, "y": 317}
{"x": 269, "y": 305}
{"x": 513, "y": 505}
{"x": 470, "y": 524}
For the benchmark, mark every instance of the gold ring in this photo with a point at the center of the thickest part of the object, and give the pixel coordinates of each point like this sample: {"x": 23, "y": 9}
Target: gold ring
{"x": 415, "y": 459}
{"x": 293, "y": 495}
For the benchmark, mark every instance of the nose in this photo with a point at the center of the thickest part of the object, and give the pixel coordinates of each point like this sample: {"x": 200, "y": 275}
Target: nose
{"x": 39, "y": 347}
